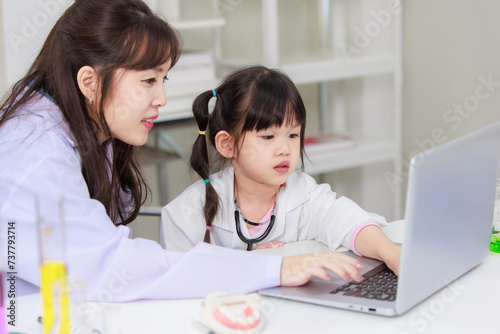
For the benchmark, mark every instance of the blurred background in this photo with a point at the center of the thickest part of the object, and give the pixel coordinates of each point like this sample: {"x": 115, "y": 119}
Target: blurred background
{"x": 394, "y": 78}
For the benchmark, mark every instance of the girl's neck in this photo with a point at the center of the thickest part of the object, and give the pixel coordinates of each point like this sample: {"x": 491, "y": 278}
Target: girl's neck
{"x": 254, "y": 199}
{"x": 250, "y": 189}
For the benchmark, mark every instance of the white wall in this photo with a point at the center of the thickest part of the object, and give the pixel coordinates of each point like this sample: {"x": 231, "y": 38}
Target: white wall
{"x": 25, "y": 26}
{"x": 451, "y": 52}
{"x": 449, "y": 45}
{"x": 2, "y": 57}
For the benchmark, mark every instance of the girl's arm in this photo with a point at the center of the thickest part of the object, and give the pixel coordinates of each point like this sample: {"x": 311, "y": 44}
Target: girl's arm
{"x": 372, "y": 242}
{"x": 329, "y": 219}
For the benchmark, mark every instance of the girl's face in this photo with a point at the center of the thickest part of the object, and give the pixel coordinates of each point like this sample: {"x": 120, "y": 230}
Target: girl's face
{"x": 268, "y": 156}
{"x": 135, "y": 99}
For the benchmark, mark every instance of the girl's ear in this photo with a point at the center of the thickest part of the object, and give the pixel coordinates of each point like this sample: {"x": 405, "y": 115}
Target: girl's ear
{"x": 87, "y": 82}
{"x": 224, "y": 144}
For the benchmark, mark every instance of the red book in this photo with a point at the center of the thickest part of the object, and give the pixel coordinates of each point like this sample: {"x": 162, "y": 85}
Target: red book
{"x": 327, "y": 143}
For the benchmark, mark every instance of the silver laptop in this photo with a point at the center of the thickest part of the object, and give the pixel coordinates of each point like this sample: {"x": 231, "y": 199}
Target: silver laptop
{"x": 449, "y": 214}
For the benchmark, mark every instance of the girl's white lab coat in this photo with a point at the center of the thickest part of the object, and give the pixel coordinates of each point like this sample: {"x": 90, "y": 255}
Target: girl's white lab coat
{"x": 38, "y": 156}
{"x": 305, "y": 210}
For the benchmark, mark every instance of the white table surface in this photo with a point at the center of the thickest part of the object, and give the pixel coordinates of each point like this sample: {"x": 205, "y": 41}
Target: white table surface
{"x": 469, "y": 305}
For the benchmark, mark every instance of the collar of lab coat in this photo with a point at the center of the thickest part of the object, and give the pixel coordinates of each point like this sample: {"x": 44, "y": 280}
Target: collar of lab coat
{"x": 292, "y": 195}
{"x": 44, "y": 107}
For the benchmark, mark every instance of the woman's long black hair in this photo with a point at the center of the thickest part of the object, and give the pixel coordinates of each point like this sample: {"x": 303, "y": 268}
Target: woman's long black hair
{"x": 105, "y": 35}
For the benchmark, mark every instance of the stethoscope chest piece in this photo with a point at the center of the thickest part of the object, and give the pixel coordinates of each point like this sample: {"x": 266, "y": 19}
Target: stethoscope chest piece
{"x": 251, "y": 242}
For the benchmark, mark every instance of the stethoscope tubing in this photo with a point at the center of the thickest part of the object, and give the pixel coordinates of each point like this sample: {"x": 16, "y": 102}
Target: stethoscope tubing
{"x": 251, "y": 242}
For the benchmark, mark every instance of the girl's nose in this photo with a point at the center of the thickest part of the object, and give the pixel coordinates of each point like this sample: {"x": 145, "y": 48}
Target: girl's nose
{"x": 283, "y": 147}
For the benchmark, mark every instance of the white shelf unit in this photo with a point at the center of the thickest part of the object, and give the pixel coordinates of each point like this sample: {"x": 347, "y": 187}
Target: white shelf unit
{"x": 350, "y": 51}
{"x": 187, "y": 16}
{"x": 191, "y": 18}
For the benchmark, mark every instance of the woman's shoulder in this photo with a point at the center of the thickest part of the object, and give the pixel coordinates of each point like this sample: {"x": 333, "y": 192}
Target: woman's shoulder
{"x": 35, "y": 134}
{"x": 35, "y": 121}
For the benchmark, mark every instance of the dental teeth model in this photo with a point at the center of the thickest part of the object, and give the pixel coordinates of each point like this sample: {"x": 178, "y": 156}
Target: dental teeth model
{"x": 232, "y": 313}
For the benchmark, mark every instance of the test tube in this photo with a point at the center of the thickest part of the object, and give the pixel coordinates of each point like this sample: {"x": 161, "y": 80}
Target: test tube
{"x": 52, "y": 246}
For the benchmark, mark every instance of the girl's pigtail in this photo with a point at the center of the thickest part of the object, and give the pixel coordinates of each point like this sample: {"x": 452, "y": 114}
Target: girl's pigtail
{"x": 199, "y": 157}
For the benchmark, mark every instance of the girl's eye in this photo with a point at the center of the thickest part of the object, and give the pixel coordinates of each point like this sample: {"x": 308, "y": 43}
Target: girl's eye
{"x": 268, "y": 137}
{"x": 294, "y": 135}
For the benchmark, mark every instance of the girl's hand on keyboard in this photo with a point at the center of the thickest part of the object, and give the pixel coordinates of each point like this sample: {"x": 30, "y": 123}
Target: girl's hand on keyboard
{"x": 372, "y": 242}
{"x": 392, "y": 258}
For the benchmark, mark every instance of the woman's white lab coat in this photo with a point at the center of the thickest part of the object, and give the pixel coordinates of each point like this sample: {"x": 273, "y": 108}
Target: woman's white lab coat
{"x": 305, "y": 210}
{"x": 38, "y": 156}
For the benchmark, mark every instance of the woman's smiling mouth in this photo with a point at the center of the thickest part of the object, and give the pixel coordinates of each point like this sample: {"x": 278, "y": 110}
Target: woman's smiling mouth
{"x": 148, "y": 122}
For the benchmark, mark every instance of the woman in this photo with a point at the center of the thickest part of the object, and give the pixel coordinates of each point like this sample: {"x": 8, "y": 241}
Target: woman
{"x": 70, "y": 127}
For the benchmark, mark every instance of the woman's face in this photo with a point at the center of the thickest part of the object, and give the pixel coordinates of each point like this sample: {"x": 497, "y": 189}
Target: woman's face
{"x": 134, "y": 101}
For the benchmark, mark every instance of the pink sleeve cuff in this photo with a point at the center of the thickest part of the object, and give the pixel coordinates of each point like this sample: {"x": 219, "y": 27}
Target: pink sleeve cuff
{"x": 356, "y": 232}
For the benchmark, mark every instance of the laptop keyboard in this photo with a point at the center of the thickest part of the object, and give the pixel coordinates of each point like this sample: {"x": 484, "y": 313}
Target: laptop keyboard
{"x": 379, "y": 283}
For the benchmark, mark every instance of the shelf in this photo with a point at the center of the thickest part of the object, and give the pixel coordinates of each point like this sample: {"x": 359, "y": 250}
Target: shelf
{"x": 191, "y": 89}
{"x": 198, "y": 24}
{"x": 178, "y": 108}
{"x": 300, "y": 73}
{"x": 150, "y": 155}
{"x": 311, "y": 71}
{"x": 330, "y": 70}
{"x": 358, "y": 94}
{"x": 180, "y": 98}
{"x": 173, "y": 115}
{"x": 362, "y": 154}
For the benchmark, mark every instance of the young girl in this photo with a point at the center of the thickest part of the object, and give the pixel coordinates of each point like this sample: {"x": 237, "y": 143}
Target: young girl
{"x": 70, "y": 127}
{"x": 260, "y": 200}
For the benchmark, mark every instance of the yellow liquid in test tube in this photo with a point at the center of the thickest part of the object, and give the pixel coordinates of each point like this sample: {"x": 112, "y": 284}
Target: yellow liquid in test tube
{"x": 51, "y": 272}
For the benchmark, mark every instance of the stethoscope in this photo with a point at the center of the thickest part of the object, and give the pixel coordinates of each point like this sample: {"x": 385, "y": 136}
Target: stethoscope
{"x": 251, "y": 242}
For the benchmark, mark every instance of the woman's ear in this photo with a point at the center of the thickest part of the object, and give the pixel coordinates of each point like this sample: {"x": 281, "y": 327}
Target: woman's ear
{"x": 224, "y": 144}
{"x": 87, "y": 78}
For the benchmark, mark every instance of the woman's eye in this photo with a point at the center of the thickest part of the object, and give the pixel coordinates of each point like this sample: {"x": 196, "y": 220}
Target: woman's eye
{"x": 150, "y": 81}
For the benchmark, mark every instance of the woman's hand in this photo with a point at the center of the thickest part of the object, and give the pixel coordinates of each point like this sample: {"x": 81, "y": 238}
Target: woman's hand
{"x": 271, "y": 244}
{"x": 298, "y": 270}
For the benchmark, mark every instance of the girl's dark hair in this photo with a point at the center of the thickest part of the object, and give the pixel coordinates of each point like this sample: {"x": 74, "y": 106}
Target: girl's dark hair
{"x": 105, "y": 35}
{"x": 253, "y": 98}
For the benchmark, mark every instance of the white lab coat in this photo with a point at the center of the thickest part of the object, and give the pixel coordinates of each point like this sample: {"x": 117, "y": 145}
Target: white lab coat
{"x": 305, "y": 210}
{"x": 38, "y": 156}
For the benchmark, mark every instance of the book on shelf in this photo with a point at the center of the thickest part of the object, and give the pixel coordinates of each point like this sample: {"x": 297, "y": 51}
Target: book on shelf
{"x": 327, "y": 143}
{"x": 190, "y": 58}
{"x": 192, "y": 67}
